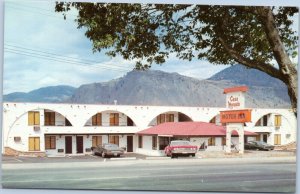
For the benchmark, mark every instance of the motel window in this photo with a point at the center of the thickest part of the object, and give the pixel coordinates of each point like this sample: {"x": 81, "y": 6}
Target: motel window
{"x": 223, "y": 141}
{"x": 277, "y": 120}
{"x": 34, "y": 143}
{"x": 49, "y": 118}
{"x": 211, "y": 141}
{"x": 257, "y": 138}
{"x": 33, "y": 118}
{"x": 96, "y": 140}
{"x": 97, "y": 119}
{"x": 161, "y": 119}
{"x": 50, "y": 142}
{"x": 114, "y": 139}
{"x": 169, "y": 117}
{"x": 140, "y": 141}
{"x": 265, "y": 120}
{"x": 277, "y": 139}
{"x": 154, "y": 143}
{"x": 163, "y": 142}
{"x": 114, "y": 119}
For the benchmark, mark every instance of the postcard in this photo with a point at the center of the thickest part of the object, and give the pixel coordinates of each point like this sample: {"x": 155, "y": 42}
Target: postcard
{"x": 149, "y": 97}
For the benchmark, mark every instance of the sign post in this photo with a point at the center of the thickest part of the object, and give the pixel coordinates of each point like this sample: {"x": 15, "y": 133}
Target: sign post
{"x": 235, "y": 116}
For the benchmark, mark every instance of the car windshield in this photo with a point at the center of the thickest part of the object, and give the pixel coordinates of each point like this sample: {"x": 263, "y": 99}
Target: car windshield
{"x": 262, "y": 143}
{"x": 111, "y": 146}
{"x": 177, "y": 143}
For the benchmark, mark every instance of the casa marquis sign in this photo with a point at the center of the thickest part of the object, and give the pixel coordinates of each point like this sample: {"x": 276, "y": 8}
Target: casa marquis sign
{"x": 235, "y": 102}
{"x": 235, "y": 97}
{"x": 235, "y": 116}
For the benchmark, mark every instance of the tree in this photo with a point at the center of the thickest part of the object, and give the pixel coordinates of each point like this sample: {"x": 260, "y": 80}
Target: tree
{"x": 256, "y": 37}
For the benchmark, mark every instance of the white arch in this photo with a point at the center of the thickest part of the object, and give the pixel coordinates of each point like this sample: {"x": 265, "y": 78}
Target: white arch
{"x": 288, "y": 115}
{"x": 26, "y": 112}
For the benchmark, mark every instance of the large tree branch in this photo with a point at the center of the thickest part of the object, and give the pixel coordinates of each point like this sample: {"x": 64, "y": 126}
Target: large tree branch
{"x": 286, "y": 66}
{"x": 282, "y": 58}
{"x": 267, "y": 68}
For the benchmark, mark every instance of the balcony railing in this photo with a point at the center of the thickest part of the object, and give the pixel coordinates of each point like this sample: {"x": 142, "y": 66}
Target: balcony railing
{"x": 108, "y": 124}
{"x": 91, "y": 130}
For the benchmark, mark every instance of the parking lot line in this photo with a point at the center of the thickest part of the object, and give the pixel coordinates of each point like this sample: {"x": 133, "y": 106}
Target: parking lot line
{"x": 93, "y": 156}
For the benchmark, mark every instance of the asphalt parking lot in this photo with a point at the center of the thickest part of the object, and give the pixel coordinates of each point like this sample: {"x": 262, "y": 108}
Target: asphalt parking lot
{"x": 80, "y": 158}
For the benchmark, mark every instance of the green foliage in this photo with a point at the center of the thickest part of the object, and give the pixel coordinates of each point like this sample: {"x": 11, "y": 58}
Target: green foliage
{"x": 150, "y": 32}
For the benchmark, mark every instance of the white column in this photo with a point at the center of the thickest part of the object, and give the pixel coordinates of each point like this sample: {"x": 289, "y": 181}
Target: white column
{"x": 241, "y": 140}
{"x": 228, "y": 140}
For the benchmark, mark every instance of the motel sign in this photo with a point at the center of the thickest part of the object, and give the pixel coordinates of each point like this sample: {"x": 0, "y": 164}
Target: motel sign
{"x": 236, "y": 115}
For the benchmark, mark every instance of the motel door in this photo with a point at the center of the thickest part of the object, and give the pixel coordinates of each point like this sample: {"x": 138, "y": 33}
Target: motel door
{"x": 129, "y": 144}
{"x": 79, "y": 144}
{"x": 68, "y": 144}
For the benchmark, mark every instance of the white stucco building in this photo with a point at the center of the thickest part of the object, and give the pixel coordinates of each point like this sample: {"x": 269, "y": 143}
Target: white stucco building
{"x": 62, "y": 129}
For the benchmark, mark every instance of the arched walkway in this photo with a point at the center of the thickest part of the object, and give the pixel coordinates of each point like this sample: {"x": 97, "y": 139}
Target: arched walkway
{"x": 110, "y": 118}
{"x": 170, "y": 116}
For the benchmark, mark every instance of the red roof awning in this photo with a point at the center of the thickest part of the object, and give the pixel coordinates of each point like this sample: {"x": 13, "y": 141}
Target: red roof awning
{"x": 189, "y": 129}
{"x": 236, "y": 89}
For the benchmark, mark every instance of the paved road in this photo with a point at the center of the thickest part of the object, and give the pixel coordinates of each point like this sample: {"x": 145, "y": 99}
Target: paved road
{"x": 176, "y": 175}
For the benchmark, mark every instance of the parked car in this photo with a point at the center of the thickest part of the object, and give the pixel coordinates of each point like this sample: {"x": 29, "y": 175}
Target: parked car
{"x": 107, "y": 149}
{"x": 258, "y": 145}
{"x": 180, "y": 147}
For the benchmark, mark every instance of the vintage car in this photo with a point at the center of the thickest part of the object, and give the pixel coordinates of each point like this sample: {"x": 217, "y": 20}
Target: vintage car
{"x": 107, "y": 150}
{"x": 258, "y": 145}
{"x": 180, "y": 147}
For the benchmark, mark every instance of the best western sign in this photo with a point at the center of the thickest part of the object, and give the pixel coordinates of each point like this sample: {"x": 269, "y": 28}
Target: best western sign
{"x": 235, "y": 116}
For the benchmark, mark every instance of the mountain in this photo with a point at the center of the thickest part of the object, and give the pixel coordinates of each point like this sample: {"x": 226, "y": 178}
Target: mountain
{"x": 151, "y": 88}
{"x": 47, "y": 94}
{"x": 173, "y": 89}
{"x": 168, "y": 89}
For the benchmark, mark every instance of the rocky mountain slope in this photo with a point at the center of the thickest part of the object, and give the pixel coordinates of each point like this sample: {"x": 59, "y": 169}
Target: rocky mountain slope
{"x": 169, "y": 89}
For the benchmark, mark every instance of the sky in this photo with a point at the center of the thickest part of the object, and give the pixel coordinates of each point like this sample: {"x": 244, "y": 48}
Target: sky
{"x": 42, "y": 49}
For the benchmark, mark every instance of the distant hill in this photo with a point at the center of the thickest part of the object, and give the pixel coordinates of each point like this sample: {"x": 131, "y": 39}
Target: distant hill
{"x": 168, "y": 89}
{"x": 47, "y": 94}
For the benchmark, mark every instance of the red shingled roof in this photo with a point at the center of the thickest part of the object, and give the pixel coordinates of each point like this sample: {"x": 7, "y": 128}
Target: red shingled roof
{"x": 188, "y": 129}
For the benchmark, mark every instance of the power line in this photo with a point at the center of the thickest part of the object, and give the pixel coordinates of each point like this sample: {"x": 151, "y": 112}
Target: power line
{"x": 37, "y": 8}
{"x": 41, "y": 13}
{"x": 69, "y": 58}
{"x": 57, "y": 59}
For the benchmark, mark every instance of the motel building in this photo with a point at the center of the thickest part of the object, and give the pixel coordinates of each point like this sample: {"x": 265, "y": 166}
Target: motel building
{"x": 48, "y": 129}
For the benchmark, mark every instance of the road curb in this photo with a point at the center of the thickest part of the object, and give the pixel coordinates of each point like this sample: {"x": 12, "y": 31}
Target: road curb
{"x": 157, "y": 158}
{"x": 128, "y": 158}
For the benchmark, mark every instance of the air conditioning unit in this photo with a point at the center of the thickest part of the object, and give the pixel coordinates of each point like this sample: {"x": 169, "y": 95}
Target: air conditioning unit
{"x": 36, "y": 128}
{"x": 17, "y": 139}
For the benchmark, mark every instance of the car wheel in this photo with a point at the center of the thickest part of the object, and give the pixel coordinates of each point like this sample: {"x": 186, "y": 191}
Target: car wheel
{"x": 193, "y": 155}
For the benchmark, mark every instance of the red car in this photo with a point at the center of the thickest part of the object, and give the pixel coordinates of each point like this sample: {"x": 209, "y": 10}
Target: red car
{"x": 180, "y": 147}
